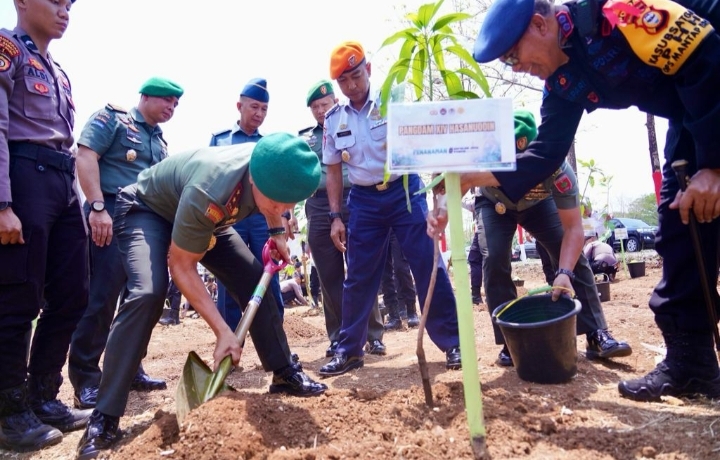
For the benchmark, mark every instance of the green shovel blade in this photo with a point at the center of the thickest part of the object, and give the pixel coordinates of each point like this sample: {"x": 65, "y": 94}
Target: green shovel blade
{"x": 198, "y": 384}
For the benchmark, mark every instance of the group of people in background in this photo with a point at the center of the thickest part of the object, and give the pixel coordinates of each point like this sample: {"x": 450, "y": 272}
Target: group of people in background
{"x": 96, "y": 274}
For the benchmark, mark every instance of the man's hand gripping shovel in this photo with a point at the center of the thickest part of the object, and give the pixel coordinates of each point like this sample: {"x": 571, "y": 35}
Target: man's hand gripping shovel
{"x": 198, "y": 383}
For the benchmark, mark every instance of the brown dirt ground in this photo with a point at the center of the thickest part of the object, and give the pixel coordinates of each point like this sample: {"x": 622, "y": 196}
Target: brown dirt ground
{"x": 378, "y": 411}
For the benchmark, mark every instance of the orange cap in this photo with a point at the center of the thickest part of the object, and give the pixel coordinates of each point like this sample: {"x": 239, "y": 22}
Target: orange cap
{"x": 345, "y": 57}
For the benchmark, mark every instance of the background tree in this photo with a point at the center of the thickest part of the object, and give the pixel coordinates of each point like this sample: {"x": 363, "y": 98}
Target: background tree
{"x": 644, "y": 208}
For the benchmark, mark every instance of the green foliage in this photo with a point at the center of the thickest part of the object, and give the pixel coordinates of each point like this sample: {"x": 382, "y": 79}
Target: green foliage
{"x": 644, "y": 208}
{"x": 603, "y": 181}
{"x": 427, "y": 45}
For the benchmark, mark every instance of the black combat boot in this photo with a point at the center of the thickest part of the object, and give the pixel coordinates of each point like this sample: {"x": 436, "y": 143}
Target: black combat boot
{"x": 170, "y": 316}
{"x": 689, "y": 369}
{"x": 475, "y": 294}
{"x": 20, "y": 429}
{"x": 412, "y": 317}
{"x": 43, "y": 390}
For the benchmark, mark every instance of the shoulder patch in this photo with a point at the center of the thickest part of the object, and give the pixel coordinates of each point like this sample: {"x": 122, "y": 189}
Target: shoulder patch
{"x": 306, "y": 130}
{"x": 221, "y": 132}
{"x": 562, "y": 183}
{"x": 332, "y": 110}
{"x": 115, "y": 108}
{"x": 214, "y": 213}
{"x": 8, "y": 47}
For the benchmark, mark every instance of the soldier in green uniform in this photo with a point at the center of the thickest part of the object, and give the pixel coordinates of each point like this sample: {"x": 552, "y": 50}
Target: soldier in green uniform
{"x": 329, "y": 261}
{"x": 114, "y": 146}
{"x": 179, "y": 214}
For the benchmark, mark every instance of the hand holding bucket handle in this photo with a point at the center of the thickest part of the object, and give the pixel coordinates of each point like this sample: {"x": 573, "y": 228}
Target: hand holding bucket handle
{"x": 270, "y": 267}
{"x": 535, "y": 291}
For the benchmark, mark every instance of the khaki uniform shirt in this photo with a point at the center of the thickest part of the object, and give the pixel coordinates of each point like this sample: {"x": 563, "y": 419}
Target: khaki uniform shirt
{"x": 200, "y": 191}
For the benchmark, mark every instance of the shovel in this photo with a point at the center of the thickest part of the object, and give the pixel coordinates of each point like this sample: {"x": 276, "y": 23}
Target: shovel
{"x": 198, "y": 383}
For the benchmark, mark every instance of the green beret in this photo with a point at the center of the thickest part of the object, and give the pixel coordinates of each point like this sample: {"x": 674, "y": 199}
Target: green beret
{"x": 161, "y": 87}
{"x": 525, "y": 129}
{"x": 319, "y": 90}
{"x": 284, "y": 168}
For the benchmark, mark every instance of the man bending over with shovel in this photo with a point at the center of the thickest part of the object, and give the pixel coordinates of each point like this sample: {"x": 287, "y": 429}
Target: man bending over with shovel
{"x": 180, "y": 213}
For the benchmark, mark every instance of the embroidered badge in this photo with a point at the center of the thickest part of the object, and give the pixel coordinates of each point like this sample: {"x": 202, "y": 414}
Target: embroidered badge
{"x": 562, "y": 183}
{"x": 131, "y": 155}
{"x": 566, "y": 24}
{"x": 345, "y": 156}
{"x": 352, "y": 60}
{"x": 8, "y": 47}
{"x": 4, "y": 63}
{"x": 133, "y": 128}
{"x": 312, "y": 140}
{"x": 323, "y": 90}
{"x": 212, "y": 243}
{"x": 34, "y": 62}
{"x": 521, "y": 143}
{"x": 233, "y": 202}
{"x": 500, "y": 208}
{"x": 214, "y": 213}
{"x": 42, "y": 89}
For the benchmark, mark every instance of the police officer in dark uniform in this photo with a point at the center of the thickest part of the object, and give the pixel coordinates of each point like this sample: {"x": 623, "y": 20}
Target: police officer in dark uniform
{"x": 598, "y": 54}
{"x": 179, "y": 213}
{"x": 329, "y": 261}
{"x": 114, "y": 146}
{"x": 253, "y": 107}
{"x": 43, "y": 242}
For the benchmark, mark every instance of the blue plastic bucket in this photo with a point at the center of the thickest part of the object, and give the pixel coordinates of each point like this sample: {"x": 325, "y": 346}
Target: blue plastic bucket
{"x": 541, "y": 337}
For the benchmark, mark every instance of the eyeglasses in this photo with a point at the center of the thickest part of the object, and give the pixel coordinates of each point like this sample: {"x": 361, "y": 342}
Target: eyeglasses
{"x": 510, "y": 58}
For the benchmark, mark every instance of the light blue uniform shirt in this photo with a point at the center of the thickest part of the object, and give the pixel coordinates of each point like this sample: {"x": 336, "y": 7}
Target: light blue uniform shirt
{"x": 233, "y": 136}
{"x": 363, "y": 134}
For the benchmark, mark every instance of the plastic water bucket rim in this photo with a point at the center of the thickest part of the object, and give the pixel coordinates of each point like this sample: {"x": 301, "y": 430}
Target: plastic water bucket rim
{"x": 499, "y": 322}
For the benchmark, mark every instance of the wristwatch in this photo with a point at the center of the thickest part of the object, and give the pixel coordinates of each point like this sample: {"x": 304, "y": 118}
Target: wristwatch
{"x": 5, "y": 204}
{"x": 565, "y": 271}
{"x": 334, "y": 215}
{"x": 97, "y": 206}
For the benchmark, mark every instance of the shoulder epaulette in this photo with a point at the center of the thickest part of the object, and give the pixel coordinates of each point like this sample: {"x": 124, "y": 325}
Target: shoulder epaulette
{"x": 8, "y": 47}
{"x": 115, "y": 108}
{"x": 303, "y": 131}
{"x": 222, "y": 131}
{"x": 332, "y": 110}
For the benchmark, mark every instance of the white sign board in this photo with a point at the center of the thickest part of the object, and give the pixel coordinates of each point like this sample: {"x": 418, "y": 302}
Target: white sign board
{"x": 620, "y": 233}
{"x": 463, "y": 135}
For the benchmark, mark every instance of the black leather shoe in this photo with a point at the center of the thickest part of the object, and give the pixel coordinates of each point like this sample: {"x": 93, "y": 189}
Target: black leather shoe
{"x": 413, "y": 320}
{"x": 601, "y": 344}
{"x": 296, "y": 383}
{"x": 330, "y": 352}
{"x": 143, "y": 382}
{"x": 62, "y": 417}
{"x": 452, "y": 358}
{"x": 101, "y": 433}
{"x": 341, "y": 363}
{"x": 393, "y": 324}
{"x": 477, "y": 300}
{"x": 375, "y": 347}
{"x": 86, "y": 398}
{"x": 504, "y": 358}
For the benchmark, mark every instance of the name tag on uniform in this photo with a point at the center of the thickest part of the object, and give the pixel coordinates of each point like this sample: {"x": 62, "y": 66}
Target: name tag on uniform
{"x": 344, "y": 133}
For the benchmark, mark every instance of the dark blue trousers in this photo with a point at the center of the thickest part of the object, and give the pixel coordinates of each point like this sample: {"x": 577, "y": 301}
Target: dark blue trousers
{"x": 678, "y": 301}
{"x": 373, "y": 214}
{"x": 330, "y": 265}
{"x": 46, "y": 275}
{"x": 398, "y": 287}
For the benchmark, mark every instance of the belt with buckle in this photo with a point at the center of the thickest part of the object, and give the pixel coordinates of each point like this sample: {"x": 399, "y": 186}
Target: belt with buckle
{"x": 43, "y": 156}
{"x": 380, "y": 187}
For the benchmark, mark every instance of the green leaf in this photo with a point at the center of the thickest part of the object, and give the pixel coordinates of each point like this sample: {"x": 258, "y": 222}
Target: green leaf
{"x": 478, "y": 78}
{"x": 464, "y": 95}
{"x": 425, "y": 15}
{"x": 418, "y": 68}
{"x": 452, "y": 81}
{"x": 407, "y": 34}
{"x": 450, "y": 18}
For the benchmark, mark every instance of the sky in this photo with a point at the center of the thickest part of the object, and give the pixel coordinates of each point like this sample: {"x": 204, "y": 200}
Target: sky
{"x": 212, "y": 48}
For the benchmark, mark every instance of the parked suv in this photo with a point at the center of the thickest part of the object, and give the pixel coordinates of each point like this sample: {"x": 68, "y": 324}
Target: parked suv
{"x": 640, "y": 235}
